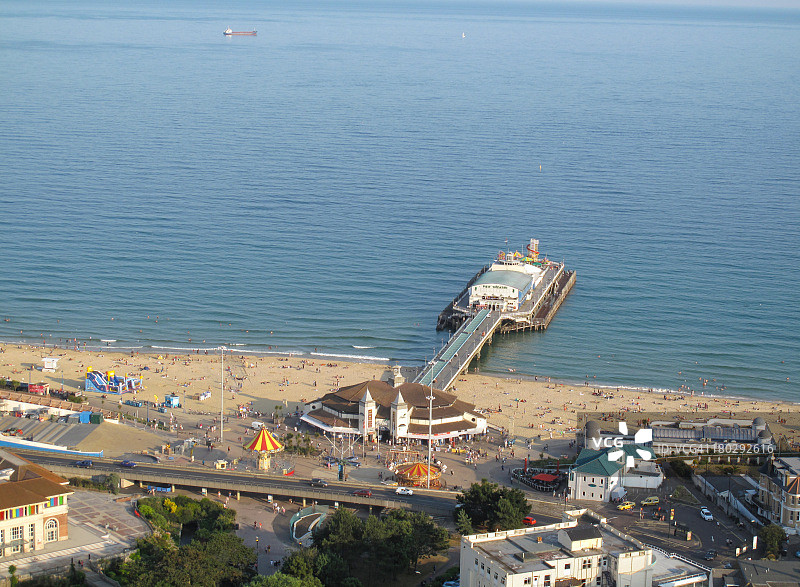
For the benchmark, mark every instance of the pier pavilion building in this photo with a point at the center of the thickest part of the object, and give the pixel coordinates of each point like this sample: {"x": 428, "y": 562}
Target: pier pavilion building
{"x": 508, "y": 282}
{"x": 379, "y": 409}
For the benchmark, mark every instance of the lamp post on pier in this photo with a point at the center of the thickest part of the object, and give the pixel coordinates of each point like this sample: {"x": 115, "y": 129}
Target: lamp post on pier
{"x": 430, "y": 430}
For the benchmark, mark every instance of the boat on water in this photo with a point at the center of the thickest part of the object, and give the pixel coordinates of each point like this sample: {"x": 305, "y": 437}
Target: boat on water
{"x": 228, "y": 32}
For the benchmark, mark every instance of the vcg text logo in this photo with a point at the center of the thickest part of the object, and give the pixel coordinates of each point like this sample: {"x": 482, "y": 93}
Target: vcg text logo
{"x": 642, "y": 436}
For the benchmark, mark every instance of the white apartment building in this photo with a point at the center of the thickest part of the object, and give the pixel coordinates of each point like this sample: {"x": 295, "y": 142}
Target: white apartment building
{"x": 584, "y": 552}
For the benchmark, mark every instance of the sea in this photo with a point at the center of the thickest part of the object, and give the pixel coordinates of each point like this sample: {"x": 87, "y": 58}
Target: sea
{"x": 326, "y": 187}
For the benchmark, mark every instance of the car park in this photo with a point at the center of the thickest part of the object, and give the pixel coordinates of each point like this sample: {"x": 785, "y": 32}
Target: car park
{"x": 318, "y": 483}
{"x": 529, "y": 521}
{"x": 84, "y": 464}
{"x": 362, "y": 493}
{"x": 626, "y": 505}
{"x": 128, "y": 464}
{"x": 652, "y": 500}
{"x": 706, "y": 515}
{"x": 404, "y": 491}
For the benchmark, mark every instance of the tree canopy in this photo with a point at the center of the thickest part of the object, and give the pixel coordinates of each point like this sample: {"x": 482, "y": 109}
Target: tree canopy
{"x": 771, "y": 537}
{"x": 348, "y": 549}
{"x": 490, "y": 506}
{"x": 214, "y": 557}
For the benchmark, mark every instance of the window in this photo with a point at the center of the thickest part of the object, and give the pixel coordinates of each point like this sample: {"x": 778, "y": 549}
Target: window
{"x": 598, "y": 581}
{"x": 16, "y": 533}
{"x": 526, "y": 581}
{"x": 51, "y": 530}
{"x": 31, "y": 531}
{"x": 546, "y": 581}
{"x": 587, "y": 563}
{"x": 476, "y": 562}
{"x": 482, "y": 566}
{"x": 567, "y": 566}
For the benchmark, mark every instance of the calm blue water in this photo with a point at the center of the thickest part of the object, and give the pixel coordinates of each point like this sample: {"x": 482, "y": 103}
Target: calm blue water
{"x": 331, "y": 183}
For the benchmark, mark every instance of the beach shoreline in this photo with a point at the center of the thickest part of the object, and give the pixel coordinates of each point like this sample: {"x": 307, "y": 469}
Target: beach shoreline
{"x": 524, "y": 406}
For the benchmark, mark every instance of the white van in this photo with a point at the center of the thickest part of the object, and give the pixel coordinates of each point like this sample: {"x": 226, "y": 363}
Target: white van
{"x": 257, "y": 425}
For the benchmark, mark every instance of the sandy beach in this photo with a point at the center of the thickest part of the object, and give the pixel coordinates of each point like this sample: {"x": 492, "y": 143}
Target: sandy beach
{"x": 526, "y": 408}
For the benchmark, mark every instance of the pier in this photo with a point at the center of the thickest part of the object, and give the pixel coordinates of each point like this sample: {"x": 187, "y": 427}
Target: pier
{"x": 475, "y": 325}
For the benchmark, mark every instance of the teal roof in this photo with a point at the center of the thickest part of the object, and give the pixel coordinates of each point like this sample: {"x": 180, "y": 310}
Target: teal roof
{"x": 513, "y": 279}
{"x": 596, "y": 462}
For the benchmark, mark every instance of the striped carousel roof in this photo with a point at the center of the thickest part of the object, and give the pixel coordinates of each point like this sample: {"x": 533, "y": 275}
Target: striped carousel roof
{"x": 415, "y": 470}
{"x": 264, "y": 442}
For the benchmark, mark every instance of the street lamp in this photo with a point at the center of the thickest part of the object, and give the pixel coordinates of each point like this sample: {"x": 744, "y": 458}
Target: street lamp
{"x": 430, "y": 430}
{"x": 222, "y": 393}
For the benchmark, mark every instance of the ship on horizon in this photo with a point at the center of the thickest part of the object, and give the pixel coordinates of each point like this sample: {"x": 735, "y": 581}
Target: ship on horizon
{"x": 228, "y": 32}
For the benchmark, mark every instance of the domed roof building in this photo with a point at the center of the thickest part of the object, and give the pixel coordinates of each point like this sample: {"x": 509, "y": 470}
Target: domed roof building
{"x": 378, "y": 407}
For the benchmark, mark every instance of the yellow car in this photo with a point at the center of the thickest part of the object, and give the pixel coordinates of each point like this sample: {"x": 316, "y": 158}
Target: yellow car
{"x": 626, "y": 505}
{"x": 652, "y": 500}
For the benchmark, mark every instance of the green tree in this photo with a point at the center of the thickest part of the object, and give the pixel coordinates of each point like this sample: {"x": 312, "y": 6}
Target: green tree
{"x": 332, "y": 567}
{"x": 341, "y": 534}
{"x": 300, "y": 563}
{"x": 493, "y": 507}
{"x": 463, "y": 523}
{"x": 12, "y": 569}
{"x": 283, "y": 580}
{"x": 422, "y": 536}
{"x": 771, "y": 537}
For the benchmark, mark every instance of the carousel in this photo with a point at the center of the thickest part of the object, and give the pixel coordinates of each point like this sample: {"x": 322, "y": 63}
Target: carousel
{"x": 416, "y": 474}
{"x": 265, "y": 445}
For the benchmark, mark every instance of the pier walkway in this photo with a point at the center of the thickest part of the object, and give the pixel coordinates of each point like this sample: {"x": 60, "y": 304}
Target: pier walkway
{"x": 478, "y": 328}
{"x": 463, "y": 346}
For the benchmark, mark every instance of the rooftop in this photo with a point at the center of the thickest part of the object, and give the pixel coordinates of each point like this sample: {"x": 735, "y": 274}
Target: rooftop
{"x": 513, "y": 279}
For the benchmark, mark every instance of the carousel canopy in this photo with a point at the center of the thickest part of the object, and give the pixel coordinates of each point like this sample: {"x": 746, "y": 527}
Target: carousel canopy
{"x": 415, "y": 470}
{"x": 547, "y": 478}
{"x": 264, "y": 442}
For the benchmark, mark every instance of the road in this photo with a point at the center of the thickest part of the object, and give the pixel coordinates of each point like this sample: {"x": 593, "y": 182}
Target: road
{"x": 435, "y": 502}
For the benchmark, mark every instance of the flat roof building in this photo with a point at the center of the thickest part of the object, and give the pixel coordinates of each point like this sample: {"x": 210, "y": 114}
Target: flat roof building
{"x": 582, "y": 551}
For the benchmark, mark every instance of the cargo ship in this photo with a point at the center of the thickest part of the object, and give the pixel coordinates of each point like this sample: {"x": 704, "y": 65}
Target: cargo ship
{"x": 228, "y": 32}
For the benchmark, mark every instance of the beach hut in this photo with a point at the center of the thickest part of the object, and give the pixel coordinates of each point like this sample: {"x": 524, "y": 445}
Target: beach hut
{"x": 265, "y": 445}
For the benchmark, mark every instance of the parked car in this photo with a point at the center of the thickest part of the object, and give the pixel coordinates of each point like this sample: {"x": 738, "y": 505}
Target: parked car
{"x": 128, "y": 464}
{"x": 710, "y": 555}
{"x": 528, "y": 521}
{"x": 652, "y": 500}
{"x": 363, "y": 493}
{"x": 318, "y": 483}
{"x": 626, "y": 505}
{"x": 84, "y": 464}
{"x": 706, "y": 515}
{"x": 404, "y": 491}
